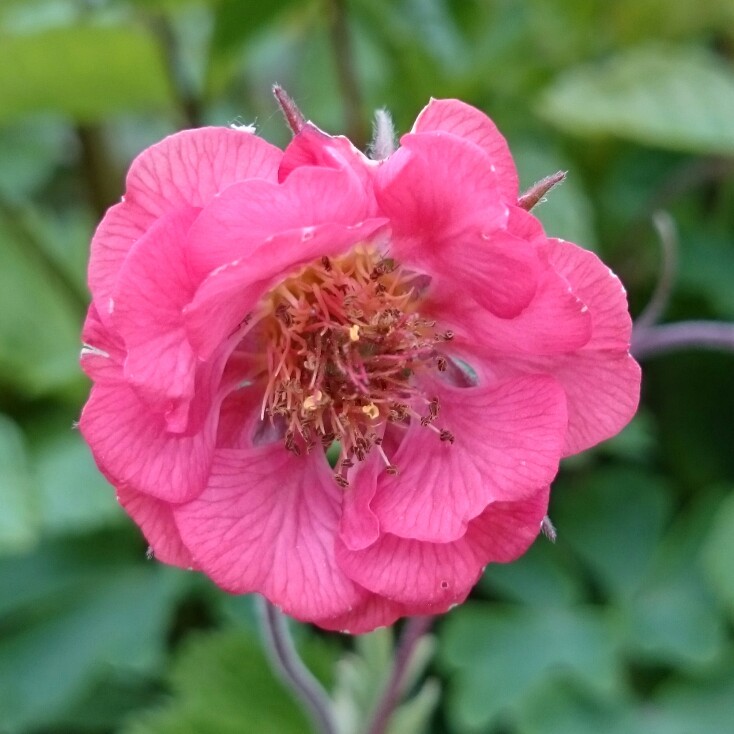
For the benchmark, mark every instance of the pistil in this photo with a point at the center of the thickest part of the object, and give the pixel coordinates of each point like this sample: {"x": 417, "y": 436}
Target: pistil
{"x": 344, "y": 342}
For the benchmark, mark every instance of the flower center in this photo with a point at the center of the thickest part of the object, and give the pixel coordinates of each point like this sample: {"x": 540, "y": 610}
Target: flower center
{"x": 344, "y": 341}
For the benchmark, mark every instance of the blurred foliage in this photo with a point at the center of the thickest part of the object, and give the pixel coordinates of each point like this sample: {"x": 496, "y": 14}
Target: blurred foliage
{"x": 625, "y": 625}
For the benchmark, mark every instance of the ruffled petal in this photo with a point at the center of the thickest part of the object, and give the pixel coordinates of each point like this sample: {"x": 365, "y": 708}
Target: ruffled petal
{"x": 374, "y": 612}
{"x": 447, "y": 218}
{"x": 458, "y": 118}
{"x": 191, "y": 167}
{"x": 508, "y": 442}
{"x": 152, "y": 289}
{"x": 245, "y": 215}
{"x": 134, "y": 449}
{"x": 428, "y": 577}
{"x": 185, "y": 169}
{"x": 155, "y": 519}
{"x": 228, "y": 294}
{"x": 554, "y": 322}
{"x": 435, "y": 188}
{"x": 313, "y": 147}
{"x": 266, "y": 523}
{"x": 103, "y": 352}
{"x": 120, "y": 228}
{"x": 601, "y": 380}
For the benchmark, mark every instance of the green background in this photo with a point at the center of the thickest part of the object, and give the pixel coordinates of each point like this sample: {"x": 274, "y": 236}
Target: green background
{"x": 625, "y": 625}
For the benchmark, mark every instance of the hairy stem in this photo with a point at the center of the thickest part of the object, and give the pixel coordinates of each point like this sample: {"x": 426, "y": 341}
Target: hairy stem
{"x": 414, "y": 630}
{"x": 291, "y": 670}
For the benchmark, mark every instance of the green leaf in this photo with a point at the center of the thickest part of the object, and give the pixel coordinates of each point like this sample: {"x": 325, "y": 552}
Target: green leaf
{"x": 718, "y": 552}
{"x": 39, "y": 324}
{"x": 74, "y": 496}
{"x": 223, "y": 685}
{"x": 558, "y": 709}
{"x": 666, "y": 96}
{"x": 613, "y": 520}
{"x": 87, "y": 72}
{"x": 112, "y": 620}
{"x": 500, "y": 656}
{"x": 361, "y": 682}
{"x": 18, "y": 493}
{"x": 540, "y": 578}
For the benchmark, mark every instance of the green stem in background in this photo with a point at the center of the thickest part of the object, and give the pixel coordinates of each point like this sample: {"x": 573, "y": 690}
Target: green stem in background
{"x": 414, "y": 630}
{"x": 347, "y": 74}
{"x": 291, "y": 670}
{"x": 184, "y": 88}
{"x": 103, "y": 180}
{"x": 21, "y": 226}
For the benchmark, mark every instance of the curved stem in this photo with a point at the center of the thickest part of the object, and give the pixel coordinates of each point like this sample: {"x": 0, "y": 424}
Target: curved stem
{"x": 415, "y": 628}
{"x": 289, "y": 666}
{"x": 655, "y": 309}
{"x": 654, "y": 340}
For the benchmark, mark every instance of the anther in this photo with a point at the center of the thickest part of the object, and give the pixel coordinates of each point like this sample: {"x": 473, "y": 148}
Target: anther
{"x": 341, "y": 481}
{"x": 448, "y": 335}
{"x": 283, "y": 313}
{"x": 326, "y": 263}
{"x": 446, "y": 436}
{"x": 442, "y": 364}
{"x": 392, "y": 470}
{"x": 371, "y": 411}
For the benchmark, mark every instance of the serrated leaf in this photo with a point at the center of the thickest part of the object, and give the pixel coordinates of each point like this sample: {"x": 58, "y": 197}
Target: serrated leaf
{"x": 666, "y": 96}
{"x": 86, "y": 72}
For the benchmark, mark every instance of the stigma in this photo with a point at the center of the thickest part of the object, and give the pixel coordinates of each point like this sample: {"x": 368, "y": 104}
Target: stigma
{"x": 345, "y": 346}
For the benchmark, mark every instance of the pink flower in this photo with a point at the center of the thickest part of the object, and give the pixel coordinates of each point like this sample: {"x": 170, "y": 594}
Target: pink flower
{"x": 251, "y": 307}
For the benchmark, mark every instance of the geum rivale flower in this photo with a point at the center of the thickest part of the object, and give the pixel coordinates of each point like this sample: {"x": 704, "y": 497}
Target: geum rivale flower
{"x": 255, "y": 308}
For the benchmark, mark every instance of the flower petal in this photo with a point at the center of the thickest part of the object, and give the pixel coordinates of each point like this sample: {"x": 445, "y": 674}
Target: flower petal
{"x": 313, "y": 147}
{"x": 134, "y": 449}
{"x": 601, "y": 380}
{"x": 422, "y": 575}
{"x": 231, "y": 291}
{"x": 191, "y": 167}
{"x": 374, "y": 612}
{"x": 266, "y": 522}
{"x": 555, "y": 321}
{"x": 185, "y": 169}
{"x": 458, "y": 118}
{"x": 434, "y": 189}
{"x": 508, "y": 442}
{"x": 245, "y": 215}
{"x": 155, "y": 519}
{"x": 152, "y": 289}
{"x": 103, "y": 352}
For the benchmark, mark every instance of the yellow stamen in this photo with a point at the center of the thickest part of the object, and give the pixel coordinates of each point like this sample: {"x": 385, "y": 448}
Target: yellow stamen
{"x": 371, "y": 411}
{"x": 354, "y": 332}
